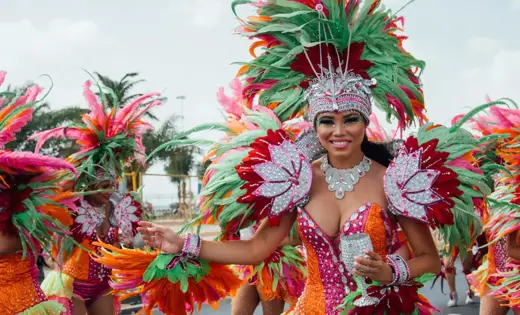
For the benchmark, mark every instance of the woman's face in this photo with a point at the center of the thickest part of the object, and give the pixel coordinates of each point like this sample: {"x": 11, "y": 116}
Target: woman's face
{"x": 102, "y": 197}
{"x": 341, "y": 134}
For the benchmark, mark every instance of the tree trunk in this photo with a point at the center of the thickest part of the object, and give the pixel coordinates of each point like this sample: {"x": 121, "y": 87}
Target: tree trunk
{"x": 179, "y": 198}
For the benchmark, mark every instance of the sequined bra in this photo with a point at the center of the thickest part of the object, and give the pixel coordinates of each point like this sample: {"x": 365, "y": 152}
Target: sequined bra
{"x": 328, "y": 279}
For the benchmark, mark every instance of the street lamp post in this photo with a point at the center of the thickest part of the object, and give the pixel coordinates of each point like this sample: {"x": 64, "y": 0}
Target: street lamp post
{"x": 182, "y": 98}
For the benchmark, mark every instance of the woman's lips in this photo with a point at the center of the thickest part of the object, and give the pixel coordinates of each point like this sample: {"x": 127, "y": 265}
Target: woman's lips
{"x": 340, "y": 144}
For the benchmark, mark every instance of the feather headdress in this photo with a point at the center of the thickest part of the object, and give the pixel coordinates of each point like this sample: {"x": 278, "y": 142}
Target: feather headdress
{"x": 319, "y": 53}
{"x": 33, "y": 204}
{"x": 109, "y": 136}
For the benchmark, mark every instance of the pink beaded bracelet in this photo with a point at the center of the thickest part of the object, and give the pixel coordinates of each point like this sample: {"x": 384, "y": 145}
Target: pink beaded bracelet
{"x": 395, "y": 270}
{"x": 401, "y": 270}
{"x": 192, "y": 245}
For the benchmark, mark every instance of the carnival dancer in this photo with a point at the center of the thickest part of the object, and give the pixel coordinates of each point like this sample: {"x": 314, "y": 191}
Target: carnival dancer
{"x": 109, "y": 137}
{"x": 332, "y": 61}
{"x": 33, "y": 207}
{"x": 497, "y": 279}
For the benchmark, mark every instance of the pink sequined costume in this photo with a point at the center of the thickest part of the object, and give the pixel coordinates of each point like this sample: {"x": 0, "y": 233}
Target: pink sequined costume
{"x": 80, "y": 275}
{"x": 329, "y": 280}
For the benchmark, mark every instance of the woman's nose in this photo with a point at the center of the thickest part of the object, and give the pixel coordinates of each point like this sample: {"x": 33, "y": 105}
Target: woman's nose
{"x": 339, "y": 129}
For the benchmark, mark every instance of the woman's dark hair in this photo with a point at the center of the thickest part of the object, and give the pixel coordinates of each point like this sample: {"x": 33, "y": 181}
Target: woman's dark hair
{"x": 382, "y": 153}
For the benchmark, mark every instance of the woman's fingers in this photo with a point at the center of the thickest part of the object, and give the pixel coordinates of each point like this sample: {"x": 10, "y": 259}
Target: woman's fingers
{"x": 369, "y": 262}
{"x": 373, "y": 255}
{"x": 365, "y": 269}
{"x": 150, "y": 228}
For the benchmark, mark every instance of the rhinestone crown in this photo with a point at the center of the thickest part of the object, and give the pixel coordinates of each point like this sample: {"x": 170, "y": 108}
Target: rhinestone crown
{"x": 338, "y": 92}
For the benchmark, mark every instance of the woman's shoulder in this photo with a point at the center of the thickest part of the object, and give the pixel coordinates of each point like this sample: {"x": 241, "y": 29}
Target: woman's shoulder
{"x": 378, "y": 169}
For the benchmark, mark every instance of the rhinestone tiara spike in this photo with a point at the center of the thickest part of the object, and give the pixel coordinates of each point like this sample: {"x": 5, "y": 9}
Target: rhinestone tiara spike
{"x": 339, "y": 92}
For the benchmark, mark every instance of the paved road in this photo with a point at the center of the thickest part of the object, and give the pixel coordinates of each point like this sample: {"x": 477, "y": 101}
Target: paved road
{"x": 434, "y": 295}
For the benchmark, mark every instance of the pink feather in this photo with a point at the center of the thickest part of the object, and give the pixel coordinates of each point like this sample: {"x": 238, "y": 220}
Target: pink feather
{"x": 30, "y": 96}
{"x": 125, "y": 113}
{"x": 375, "y": 131}
{"x": 2, "y": 77}
{"x": 501, "y": 119}
{"x": 464, "y": 164}
{"x": 232, "y": 105}
{"x": 23, "y": 160}
{"x": 94, "y": 105}
{"x": 43, "y": 136}
{"x": 399, "y": 108}
{"x": 15, "y": 125}
{"x": 146, "y": 108}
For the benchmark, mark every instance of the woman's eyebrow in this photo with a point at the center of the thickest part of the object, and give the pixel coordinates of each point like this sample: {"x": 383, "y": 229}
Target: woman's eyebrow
{"x": 350, "y": 114}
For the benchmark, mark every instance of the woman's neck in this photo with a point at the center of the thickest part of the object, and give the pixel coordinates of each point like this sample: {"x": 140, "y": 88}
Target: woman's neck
{"x": 340, "y": 162}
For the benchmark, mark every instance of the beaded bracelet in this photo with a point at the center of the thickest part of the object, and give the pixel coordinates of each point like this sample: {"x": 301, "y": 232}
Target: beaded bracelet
{"x": 192, "y": 245}
{"x": 395, "y": 270}
{"x": 401, "y": 270}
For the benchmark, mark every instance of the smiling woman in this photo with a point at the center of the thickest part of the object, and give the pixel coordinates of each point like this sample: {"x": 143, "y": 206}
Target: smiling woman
{"x": 330, "y": 61}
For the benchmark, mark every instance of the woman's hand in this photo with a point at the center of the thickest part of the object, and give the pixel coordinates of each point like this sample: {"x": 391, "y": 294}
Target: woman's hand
{"x": 374, "y": 268}
{"x": 160, "y": 237}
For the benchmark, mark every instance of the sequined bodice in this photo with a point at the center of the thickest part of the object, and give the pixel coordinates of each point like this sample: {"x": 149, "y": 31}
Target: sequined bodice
{"x": 500, "y": 254}
{"x": 82, "y": 267}
{"x": 328, "y": 280}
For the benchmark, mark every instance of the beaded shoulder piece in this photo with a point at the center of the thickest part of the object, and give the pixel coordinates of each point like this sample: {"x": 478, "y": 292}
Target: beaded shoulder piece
{"x": 434, "y": 179}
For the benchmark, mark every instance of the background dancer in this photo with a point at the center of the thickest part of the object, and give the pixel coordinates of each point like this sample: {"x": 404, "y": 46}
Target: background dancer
{"x": 33, "y": 207}
{"x": 498, "y": 124}
{"x": 109, "y": 137}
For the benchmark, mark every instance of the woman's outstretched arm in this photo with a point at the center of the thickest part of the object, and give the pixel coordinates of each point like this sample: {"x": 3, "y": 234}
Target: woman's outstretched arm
{"x": 249, "y": 252}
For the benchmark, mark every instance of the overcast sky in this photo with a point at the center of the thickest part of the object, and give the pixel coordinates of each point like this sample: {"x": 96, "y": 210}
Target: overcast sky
{"x": 186, "y": 47}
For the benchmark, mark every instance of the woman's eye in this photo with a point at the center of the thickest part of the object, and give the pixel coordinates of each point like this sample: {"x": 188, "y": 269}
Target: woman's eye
{"x": 326, "y": 122}
{"x": 351, "y": 120}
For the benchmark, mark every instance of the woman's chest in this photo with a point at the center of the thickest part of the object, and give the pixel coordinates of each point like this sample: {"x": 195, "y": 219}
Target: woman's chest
{"x": 370, "y": 219}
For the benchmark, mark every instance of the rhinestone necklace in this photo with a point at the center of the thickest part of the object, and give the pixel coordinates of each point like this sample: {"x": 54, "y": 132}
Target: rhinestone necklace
{"x": 341, "y": 181}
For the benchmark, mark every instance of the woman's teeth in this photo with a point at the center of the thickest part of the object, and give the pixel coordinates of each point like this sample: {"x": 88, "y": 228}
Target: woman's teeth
{"x": 340, "y": 144}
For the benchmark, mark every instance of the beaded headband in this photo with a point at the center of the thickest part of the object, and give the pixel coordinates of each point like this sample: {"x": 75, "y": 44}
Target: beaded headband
{"x": 339, "y": 92}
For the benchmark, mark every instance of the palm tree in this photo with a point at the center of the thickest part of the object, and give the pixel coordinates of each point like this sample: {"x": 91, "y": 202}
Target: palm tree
{"x": 119, "y": 92}
{"x": 181, "y": 162}
{"x": 151, "y": 140}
